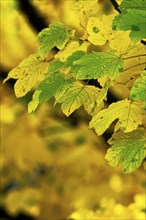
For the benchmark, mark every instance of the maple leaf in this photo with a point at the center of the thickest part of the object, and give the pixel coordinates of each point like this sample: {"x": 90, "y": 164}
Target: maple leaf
{"x": 127, "y": 149}
{"x": 30, "y": 71}
{"x": 78, "y": 95}
{"x": 120, "y": 42}
{"x": 97, "y": 64}
{"x": 55, "y": 66}
{"x": 70, "y": 48}
{"x": 132, "y": 18}
{"x": 33, "y": 104}
{"x": 100, "y": 29}
{"x": 138, "y": 91}
{"x": 54, "y": 36}
{"x": 129, "y": 114}
{"x": 74, "y": 57}
{"x": 48, "y": 88}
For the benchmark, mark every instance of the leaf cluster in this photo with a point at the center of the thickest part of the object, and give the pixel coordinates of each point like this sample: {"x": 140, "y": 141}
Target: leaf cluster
{"x": 99, "y": 54}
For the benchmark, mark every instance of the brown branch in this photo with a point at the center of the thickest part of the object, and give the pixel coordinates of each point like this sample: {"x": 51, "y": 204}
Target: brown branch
{"x": 115, "y": 5}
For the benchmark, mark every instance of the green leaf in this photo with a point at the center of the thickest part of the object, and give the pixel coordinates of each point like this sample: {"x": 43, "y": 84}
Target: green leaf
{"x": 138, "y": 91}
{"x": 71, "y": 59}
{"x": 129, "y": 114}
{"x": 97, "y": 64}
{"x": 78, "y": 95}
{"x": 55, "y": 66}
{"x": 134, "y": 4}
{"x": 28, "y": 73}
{"x": 48, "y": 88}
{"x": 132, "y": 18}
{"x": 54, "y": 36}
{"x": 127, "y": 149}
{"x": 74, "y": 57}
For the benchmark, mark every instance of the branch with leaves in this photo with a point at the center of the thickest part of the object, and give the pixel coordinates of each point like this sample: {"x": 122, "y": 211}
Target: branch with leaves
{"x": 81, "y": 58}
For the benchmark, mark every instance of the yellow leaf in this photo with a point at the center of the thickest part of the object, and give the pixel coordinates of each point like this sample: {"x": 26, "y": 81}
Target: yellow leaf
{"x": 78, "y": 95}
{"x": 130, "y": 115}
{"x": 28, "y": 73}
{"x": 35, "y": 102}
{"x": 100, "y": 32}
{"x": 123, "y": 45}
{"x": 120, "y": 41}
{"x": 100, "y": 29}
{"x": 70, "y": 48}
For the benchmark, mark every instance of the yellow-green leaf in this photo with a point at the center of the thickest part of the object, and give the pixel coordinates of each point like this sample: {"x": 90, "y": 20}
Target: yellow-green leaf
{"x": 100, "y": 29}
{"x": 54, "y": 36}
{"x": 33, "y": 104}
{"x": 132, "y": 17}
{"x": 28, "y": 73}
{"x": 97, "y": 64}
{"x": 138, "y": 91}
{"x": 52, "y": 86}
{"x": 130, "y": 115}
{"x": 78, "y": 95}
{"x": 127, "y": 149}
{"x": 71, "y": 48}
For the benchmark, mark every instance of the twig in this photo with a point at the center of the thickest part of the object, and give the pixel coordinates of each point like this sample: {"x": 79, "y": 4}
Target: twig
{"x": 115, "y": 5}
{"x": 136, "y": 56}
{"x": 139, "y": 64}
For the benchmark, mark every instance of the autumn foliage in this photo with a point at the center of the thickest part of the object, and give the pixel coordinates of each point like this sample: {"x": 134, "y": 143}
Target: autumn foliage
{"x": 107, "y": 48}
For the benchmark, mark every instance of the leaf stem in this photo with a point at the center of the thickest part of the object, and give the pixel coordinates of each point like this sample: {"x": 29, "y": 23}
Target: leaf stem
{"x": 115, "y": 5}
{"x": 140, "y": 55}
{"x": 134, "y": 66}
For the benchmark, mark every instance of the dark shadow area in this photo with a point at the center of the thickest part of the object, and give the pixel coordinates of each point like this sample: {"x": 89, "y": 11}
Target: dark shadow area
{"x": 5, "y": 216}
{"x": 36, "y": 20}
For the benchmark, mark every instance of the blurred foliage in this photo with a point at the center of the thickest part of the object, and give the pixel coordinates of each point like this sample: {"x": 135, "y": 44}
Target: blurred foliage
{"x": 18, "y": 38}
{"x": 50, "y": 168}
